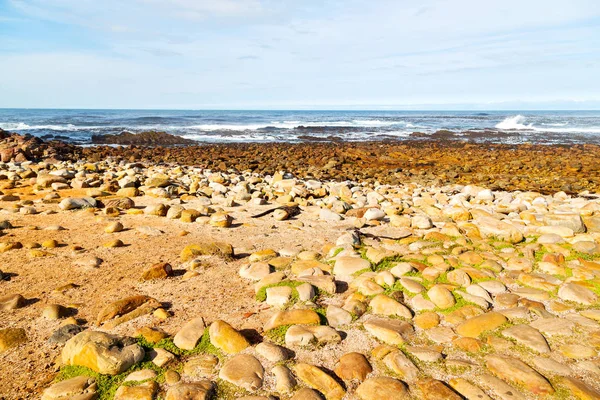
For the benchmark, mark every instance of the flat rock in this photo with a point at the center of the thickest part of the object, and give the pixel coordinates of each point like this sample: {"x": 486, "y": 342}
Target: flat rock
{"x": 517, "y": 372}
{"x": 577, "y": 293}
{"x": 292, "y": 317}
{"x": 190, "y": 334}
{"x": 528, "y": 336}
{"x": 389, "y": 331}
{"x": 432, "y": 389}
{"x": 305, "y": 335}
{"x": 223, "y": 336}
{"x": 202, "y": 390}
{"x": 316, "y": 378}
{"x": 220, "y": 249}
{"x": 379, "y": 388}
{"x": 78, "y": 388}
{"x": 475, "y": 326}
{"x": 243, "y": 370}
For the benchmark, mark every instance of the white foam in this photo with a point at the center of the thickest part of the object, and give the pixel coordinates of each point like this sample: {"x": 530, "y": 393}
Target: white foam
{"x": 514, "y": 123}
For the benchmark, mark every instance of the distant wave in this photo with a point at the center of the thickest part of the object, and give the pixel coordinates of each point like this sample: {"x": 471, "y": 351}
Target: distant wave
{"x": 514, "y": 123}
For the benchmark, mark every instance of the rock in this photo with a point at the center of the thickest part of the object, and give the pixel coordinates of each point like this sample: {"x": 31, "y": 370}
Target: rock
{"x": 114, "y": 227}
{"x": 500, "y": 389}
{"x": 243, "y": 370}
{"x": 475, "y": 326}
{"x": 432, "y": 389}
{"x": 328, "y": 215}
{"x": 517, "y": 372}
{"x": 101, "y": 352}
{"x": 224, "y": 337}
{"x": 384, "y": 305}
{"x": 64, "y": 333}
{"x": 128, "y": 306}
{"x": 11, "y": 337}
{"x": 577, "y": 293}
{"x": 353, "y": 366}
{"x": 468, "y": 390}
{"x": 71, "y": 203}
{"x": 12, "y": 302}
{"x": 317, "y": 379}
{"x": 441, "y": 297}
{"x": 284, "y": 380}
{"x": 347, "y": 266}
{"x": 374, "y": 214}
{"x": 200, "y": 366}
{"x": 188, "y": 337}
{"x": 337, "y": 316}
{"x": 157, "y": 271}
{"x": 304, "y": 335}
{"x": 292, "y": 317}
{"x": 568, "y": 220}
{"x": 528, "y": 336}
{"x": 202, "y": 390}
{"x": 123, "y": 202}
{"x": 78, "y": 388}
{"x": 492, "y": 228}
{"x": 580, "y": 389}
{"x": 143, "y": 391}
{"x": 380, "y": 388}
{"x": 272, "y": 352}
{"x": 421, "y": 221}
{"x": 577, "y": 351}
{"x": 306, "y": 394}
{"x": 279, "y": 296}
{"x": 427, "y": 320}
{"x": 388, "y": 330}
{"x": 220, "y": 220}
{"x": 160, "y": 357}
{"x": 54, "y": 311}
{"x": 400, "y": 364}
{"x": 219, "y": 249}
{"x": 255, "y": 271}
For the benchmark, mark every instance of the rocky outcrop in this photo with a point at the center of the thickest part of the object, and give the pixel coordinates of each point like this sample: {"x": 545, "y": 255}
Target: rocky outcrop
{"x": 149, "y": 138}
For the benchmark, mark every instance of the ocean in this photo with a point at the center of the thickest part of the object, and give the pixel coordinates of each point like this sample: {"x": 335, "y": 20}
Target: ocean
{"x": 212, "y": 126}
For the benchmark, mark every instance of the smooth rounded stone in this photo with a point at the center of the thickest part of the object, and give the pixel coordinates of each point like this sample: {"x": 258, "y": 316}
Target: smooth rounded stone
{"x": 101, "y": 352}
{"x": 561, "y": 231}
{"x": 78, "y": 388}
{"x": 401, "y": 269}
{"x": 580, "y": 389}
{"x": 355, "y": 307}
{"x": 202, "y": 390}
{"x": 292, "y": 317}
{"x": 577, "y": 351}
{"x": 141, "y": 375}
{"x": 306, "y": 292}
{"x": 71, "y": 203}
{"x": 554, "y": 326}
{"x": 379, "y": 388}
{"x": 459, "y": 277}
{"x": 468, "y": 390}
{"x": 441, "y": 334}
{"x": 157, "y": 271}
{"x": 517, "y": 372}
{"x": 567, "y": 220}
{"x": 326, "y": 214}
{"x": 385, "y": 278}
{"x": 200, "y": 366}
{"x": 114, "y": 243}
{"x": 374, "y": 214}
{"x": 347, "y": 266}
{"x": 411, "y": 285}
{"x": 11, "y": 337}
{"x": 470, "y": 258}
{"x": 89, "y": 262}
{"x": 549, "y": 365}
{"x": 586, "y": 247}
{"x": 427, "y": 320}
{"x": 114, "y": 227}
{"x": 421, "y": 221}
{"x": 272, "y": 352}
{"x": 353, "y": 366}
{"x": 175, "y": 212}
{"x": 432, "y": 389}
{"x": 172, "y": 377}
{"x": 64, "y": 333}
{"x": 325, "y": 283}
{"x": 527, "y": 336}
{"x": 284, "y": 379}
{"x": 500, "y": 389}
{"x": 385, "y": 305}
{"x": 255, "y": 271}
{"x": 306, "y": 335}
{"x": 224, "y": 337}
{"x": 160, "y": 357}
{"x": 307, "y": 394}
{"x": 424, "y": 354}
{"x": 271, "y": 279}
{"x": 262, "y": 255}
{"x": 550, "y": 238}
{"x": 337, "y": 316}
{"x": 475, "y": 326}
{"x": 317, "y": 379}
{"x": 54, "y": 312}
{"x": 143, "y": 391}
{"x": 441, "y": 297}
{"x": 366, "y": 286}
{"x": 12, "y": 302}
{"x": 420, "y": 303}
{"x": 190, "y": 334}
{"x": 401, "y": 365}
{"x": 158, "y": 210}
{"x": 519, "y": 264}
{"x": 493, "y": 287}
{"x": 493, "y": 228}
{"x": 243, "y": 370}
{"x": 279, "y": 296}
{"x": 389, "y": 331}
{"x": 577, "y": 293}
{"x": 532, "y": 294}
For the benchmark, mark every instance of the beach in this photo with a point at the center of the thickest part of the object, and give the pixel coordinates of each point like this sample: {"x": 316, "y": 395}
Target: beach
{"x": 417, "y": 269}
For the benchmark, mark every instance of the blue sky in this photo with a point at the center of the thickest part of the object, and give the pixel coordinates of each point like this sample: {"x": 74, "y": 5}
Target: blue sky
{"x": 300, "y": 54}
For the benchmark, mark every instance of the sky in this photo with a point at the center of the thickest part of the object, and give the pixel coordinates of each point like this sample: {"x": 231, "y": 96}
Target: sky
{"x": 292, "y": 54}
